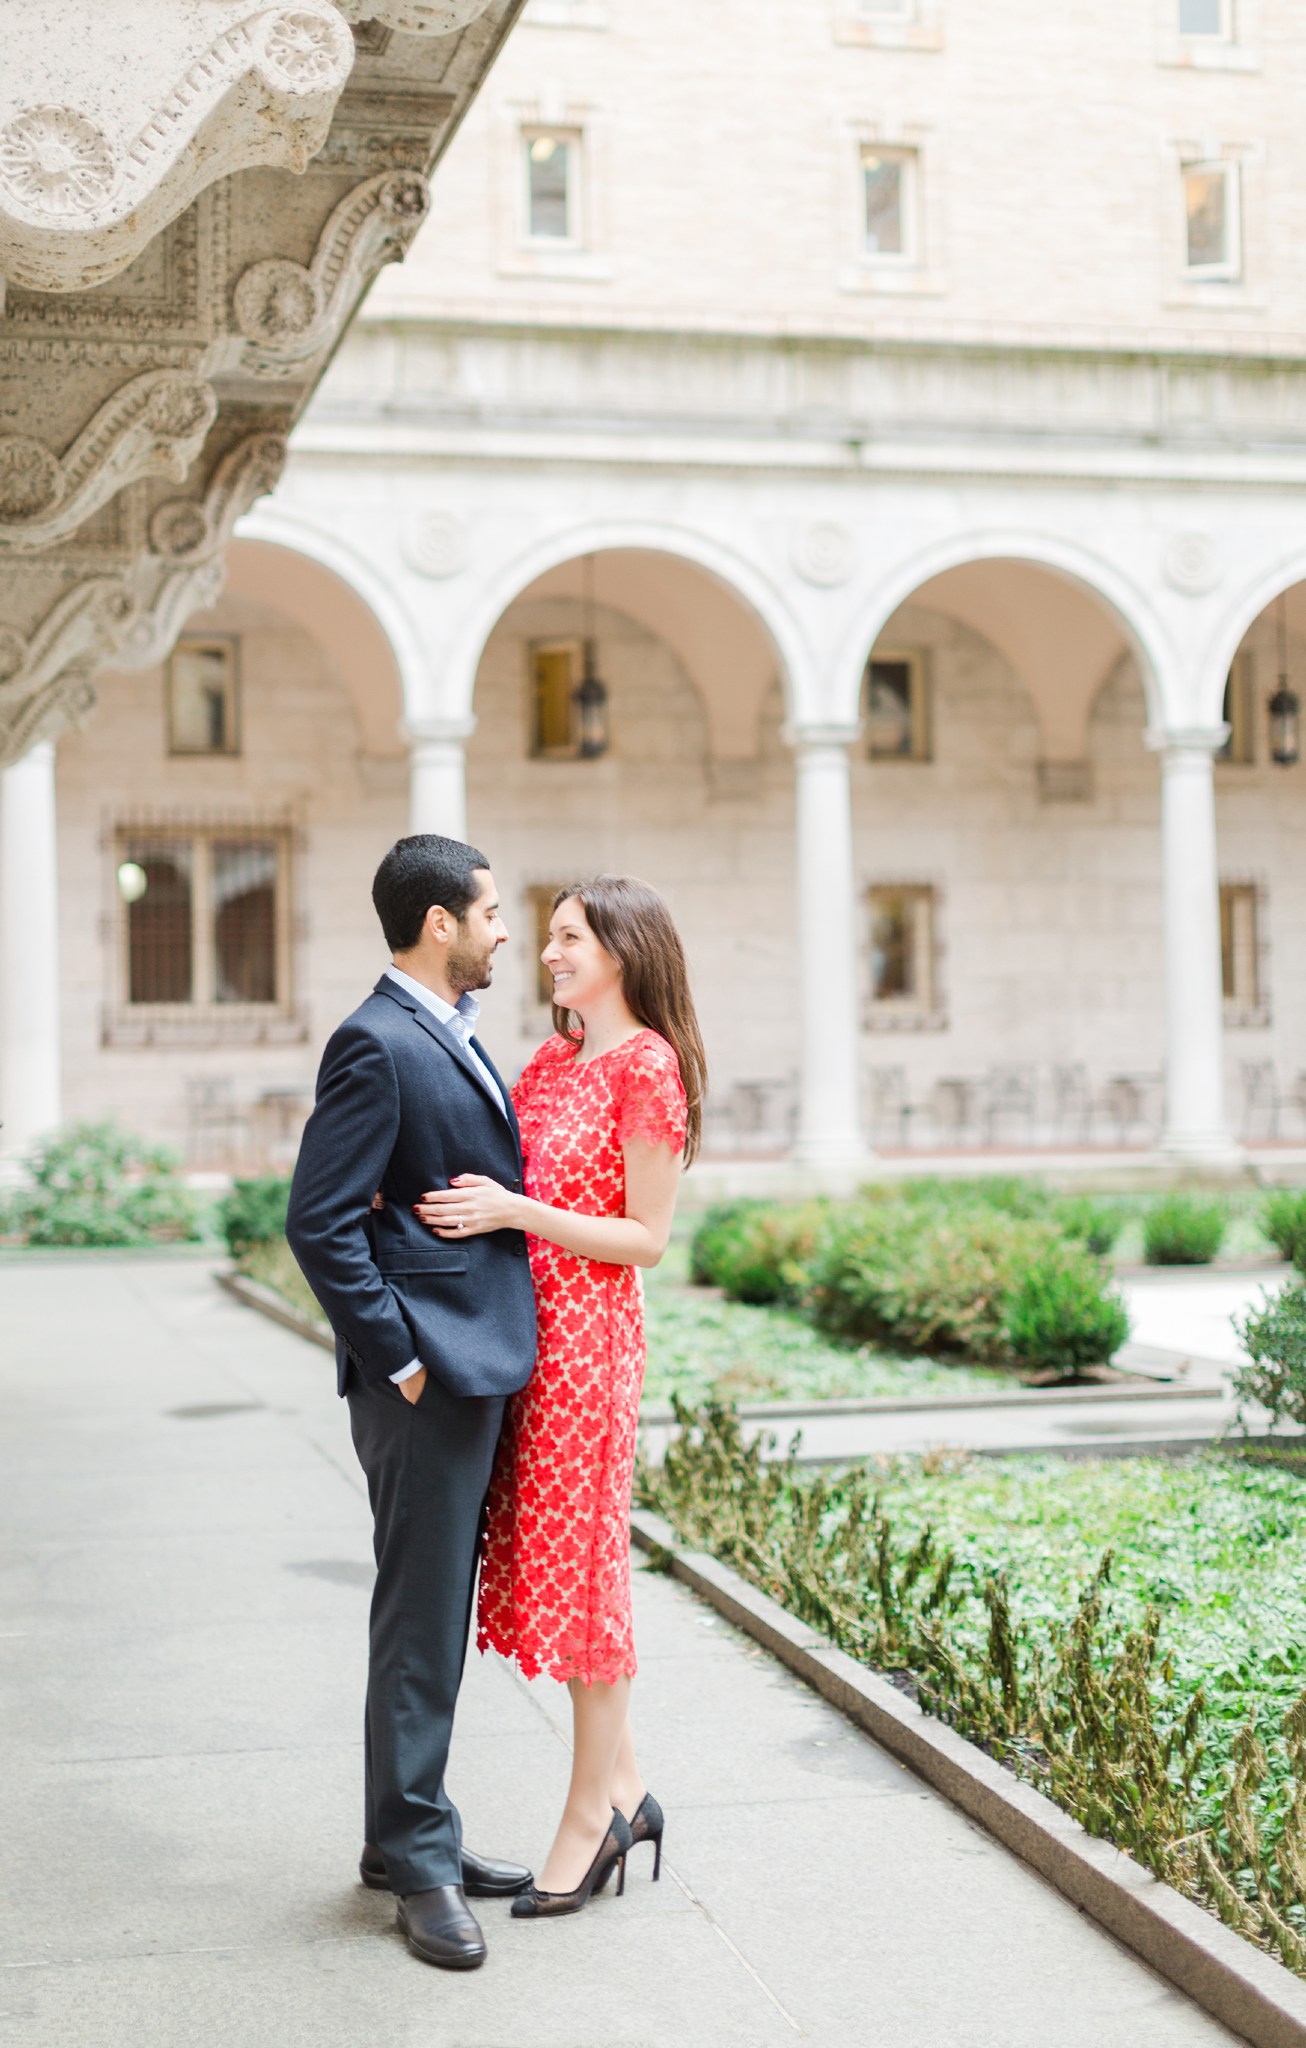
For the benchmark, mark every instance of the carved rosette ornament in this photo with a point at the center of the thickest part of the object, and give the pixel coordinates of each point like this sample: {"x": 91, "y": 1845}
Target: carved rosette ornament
{"x": 57, "y": 164}
{"x": 31, "y": 481}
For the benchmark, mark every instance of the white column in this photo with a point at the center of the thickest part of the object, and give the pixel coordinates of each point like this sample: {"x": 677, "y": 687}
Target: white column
{"x": 437, "y": 787}
{"x": 29, "y": 952}
{"x": 1195, "y": 1126}
{"x": 829, "y": 945}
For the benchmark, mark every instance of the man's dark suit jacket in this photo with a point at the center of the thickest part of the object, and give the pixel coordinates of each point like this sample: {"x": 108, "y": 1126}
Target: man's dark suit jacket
{"x": 401, "y": 1108}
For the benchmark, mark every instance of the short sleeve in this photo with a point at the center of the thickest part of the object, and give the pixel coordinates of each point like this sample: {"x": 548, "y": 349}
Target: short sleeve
{"x": 651, "y": 1095}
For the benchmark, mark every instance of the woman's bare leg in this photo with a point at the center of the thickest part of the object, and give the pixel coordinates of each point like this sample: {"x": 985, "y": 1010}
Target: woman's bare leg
{"x": 599, "y": 1714}
{"x": 628, "y": 1788}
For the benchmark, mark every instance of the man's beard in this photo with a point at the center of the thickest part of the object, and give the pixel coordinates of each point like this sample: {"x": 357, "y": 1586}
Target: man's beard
{"x": 468, "y": 967}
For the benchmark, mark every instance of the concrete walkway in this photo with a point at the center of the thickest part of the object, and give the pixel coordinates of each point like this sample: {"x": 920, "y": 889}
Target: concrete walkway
{"x": 183, "y": 1588}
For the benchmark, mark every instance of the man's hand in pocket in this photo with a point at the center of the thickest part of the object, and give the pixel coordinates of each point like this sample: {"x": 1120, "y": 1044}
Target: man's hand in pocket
{"x": 411, "y": 1388}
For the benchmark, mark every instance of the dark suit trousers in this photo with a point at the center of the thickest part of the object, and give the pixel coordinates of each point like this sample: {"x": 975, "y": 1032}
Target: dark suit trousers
{"x": 428, "y": 1471}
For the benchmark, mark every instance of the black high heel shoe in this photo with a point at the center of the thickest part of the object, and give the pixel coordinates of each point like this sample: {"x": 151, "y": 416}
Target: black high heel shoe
{"x": 646, "y": 1825}
{"x": 533, "y": 1904}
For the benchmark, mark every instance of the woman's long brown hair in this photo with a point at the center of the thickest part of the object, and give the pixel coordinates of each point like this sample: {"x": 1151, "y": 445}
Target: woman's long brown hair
{"x": 630, "y": 921}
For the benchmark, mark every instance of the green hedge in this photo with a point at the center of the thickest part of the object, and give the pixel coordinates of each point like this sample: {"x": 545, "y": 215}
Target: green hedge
{"x": 254, "y": 1212}
{"x": 991, "y": 1271}
{"x": 1184, "y": 1230}
{"x": 1283, "y": 1219}
{"x": 1274, "y": 1338}
{"x": 95, "y": 1185}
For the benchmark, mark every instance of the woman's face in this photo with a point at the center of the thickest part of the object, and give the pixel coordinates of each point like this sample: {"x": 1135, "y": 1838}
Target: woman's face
{"x": 583, "y": 972}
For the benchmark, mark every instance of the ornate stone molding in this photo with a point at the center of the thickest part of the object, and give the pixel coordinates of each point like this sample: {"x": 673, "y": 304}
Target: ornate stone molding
{"x": 154, "y": 426}
{"x": 290, "y": 312}
{"x": 190, "y": 530}
{"x": 213, "y": 90}
{"x": 45, "y": 679}
{"x": 416, "y": 17}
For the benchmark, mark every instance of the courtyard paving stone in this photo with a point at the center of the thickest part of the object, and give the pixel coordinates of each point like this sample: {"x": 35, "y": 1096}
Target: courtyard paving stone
{"x": 182, "y": 1609}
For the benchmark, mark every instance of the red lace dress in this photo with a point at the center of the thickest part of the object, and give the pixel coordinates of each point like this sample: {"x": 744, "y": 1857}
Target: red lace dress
{"x": 555, "y": 1574}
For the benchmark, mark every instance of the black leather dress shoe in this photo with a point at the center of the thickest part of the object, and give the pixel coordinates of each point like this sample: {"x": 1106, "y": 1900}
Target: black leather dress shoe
{"x": 483, "y": 1878}
{"x": 442, "y": 1929}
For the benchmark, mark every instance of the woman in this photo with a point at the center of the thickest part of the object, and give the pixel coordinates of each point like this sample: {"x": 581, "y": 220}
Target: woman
{"x": 607, "y": 1107}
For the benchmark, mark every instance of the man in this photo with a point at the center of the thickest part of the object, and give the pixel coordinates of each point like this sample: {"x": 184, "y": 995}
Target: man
{"x": 431, "y": 1336}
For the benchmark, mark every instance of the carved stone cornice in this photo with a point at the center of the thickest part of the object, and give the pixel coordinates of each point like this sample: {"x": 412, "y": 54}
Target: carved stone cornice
{"x": 289, "y": 312}
{"x": 155, "y": 425}
{"x": 143, "y": 413}
{"x": 212, "y": 91}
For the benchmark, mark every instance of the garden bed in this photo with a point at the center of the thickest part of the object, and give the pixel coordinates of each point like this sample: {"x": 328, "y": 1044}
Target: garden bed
{"x": 1129, "y": 1637}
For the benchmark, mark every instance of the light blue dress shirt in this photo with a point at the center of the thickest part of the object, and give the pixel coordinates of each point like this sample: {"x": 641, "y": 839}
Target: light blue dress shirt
{"x": 461, "y": 1019}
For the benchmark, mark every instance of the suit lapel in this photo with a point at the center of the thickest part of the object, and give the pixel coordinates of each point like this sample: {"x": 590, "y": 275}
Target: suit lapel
{"x": 444, "y": 1035}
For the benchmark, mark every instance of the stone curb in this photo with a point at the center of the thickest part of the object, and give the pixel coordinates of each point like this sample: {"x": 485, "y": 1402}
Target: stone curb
{"x": 269, "y": 1304}
{"x": 1246, "y": 1990}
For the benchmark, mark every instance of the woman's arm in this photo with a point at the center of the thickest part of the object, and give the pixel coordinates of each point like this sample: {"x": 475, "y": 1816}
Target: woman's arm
{"x": 638, "y": 1238}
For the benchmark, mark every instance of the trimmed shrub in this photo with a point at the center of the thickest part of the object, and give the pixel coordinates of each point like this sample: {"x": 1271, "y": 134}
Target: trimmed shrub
{"x": 1088, "y": 1220}
{"x": 1184, "y": 1230}
{"x": 1283, "y": 1219}
{"x": 1274, "y": 1338}
{"x": 715, "y": 1237}
{"x": 1063, "y": 1315}
{"x": 254, "y": 1212}
{"x": 759, "y": 1254}
{"x": 938, "y": 1282}
{"x": 95, "y": 1185}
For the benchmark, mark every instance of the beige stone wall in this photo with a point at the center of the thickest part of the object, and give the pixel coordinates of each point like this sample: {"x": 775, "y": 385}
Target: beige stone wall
{"x": 721, "y": 171}
{"x": 302, "y": 759}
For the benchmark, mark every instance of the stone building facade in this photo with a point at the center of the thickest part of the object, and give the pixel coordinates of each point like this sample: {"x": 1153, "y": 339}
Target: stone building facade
{"x": 903, "y": 411}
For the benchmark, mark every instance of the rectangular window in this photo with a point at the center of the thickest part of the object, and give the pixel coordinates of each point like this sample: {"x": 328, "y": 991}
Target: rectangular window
{"x": 555, "y": 674}
{"x": 1204, "y": 17}
{"x": 897, "y": 713}
{"x": 1240, "y": 945}
{"x": 551, "y": 196}
{"x": 889, "y": 201}
{"x": 1240, "y": 713}
{"x": 203, "y": 698}
{"x": 902, "y": 947}
{"x": 204, "y": 918}
{"x": 540, "y": 898}
{"x": 1212, "y": 220}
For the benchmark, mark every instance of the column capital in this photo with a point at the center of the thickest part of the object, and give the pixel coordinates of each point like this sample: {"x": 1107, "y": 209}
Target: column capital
{"x": 805, "y": 738}
{"x": 1186, "y": 739}
{"x": 437, "y": 732}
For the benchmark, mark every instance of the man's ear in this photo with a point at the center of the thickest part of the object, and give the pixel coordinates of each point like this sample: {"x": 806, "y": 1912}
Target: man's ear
{"x": 439, "y": 924}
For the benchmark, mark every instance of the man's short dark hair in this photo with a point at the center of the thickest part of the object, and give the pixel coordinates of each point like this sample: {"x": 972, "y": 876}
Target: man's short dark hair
{"x": 419, "y": 872}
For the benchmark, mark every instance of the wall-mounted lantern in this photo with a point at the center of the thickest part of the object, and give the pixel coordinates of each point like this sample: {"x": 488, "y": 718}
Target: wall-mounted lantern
{"x": 1285, "y": 705}
{"x": 591, "y": 694}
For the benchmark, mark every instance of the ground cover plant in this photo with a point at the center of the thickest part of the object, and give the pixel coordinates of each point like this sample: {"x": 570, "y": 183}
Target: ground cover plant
{"x": 1125, "y": 1634}
{"x": 94, "y": 1185}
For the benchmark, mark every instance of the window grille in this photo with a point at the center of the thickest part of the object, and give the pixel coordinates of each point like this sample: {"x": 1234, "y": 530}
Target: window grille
{"x": 204, "y": 931}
